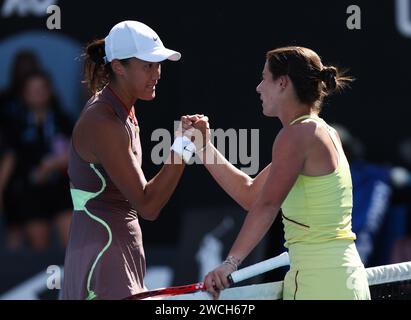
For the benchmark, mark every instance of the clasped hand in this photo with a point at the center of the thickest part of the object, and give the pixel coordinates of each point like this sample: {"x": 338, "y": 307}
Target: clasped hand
{"x": 197, "y": 128}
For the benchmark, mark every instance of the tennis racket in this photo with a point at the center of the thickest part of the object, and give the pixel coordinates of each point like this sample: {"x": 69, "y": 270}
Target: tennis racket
{"x": 235, "y": 277}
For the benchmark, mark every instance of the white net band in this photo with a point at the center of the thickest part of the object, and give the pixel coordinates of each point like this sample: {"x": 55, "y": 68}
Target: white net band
{"x": 389, "y": 273}
{"x": 274, "y": 290}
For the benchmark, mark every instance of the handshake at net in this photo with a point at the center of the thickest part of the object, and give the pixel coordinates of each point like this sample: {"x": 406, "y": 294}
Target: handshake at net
{"x": 192, "y": 136}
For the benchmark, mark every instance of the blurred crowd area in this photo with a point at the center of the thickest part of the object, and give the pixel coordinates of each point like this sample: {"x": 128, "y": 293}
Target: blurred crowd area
{"x": 35, "y": 202}
{"x": 34, "y": 138}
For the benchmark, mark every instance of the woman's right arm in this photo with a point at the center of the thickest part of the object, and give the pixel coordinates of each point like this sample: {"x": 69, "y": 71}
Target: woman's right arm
{"x": 110, "y": 145}
{"x": 240, "y": 186}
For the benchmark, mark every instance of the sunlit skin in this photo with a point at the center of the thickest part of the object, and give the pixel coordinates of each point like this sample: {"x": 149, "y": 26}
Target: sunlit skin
{"x": 279, "y": 99}
{"x": 304, "y": 148}
{"x": 107, "y": 143}
{"x": 107, "y": 134}
{"x": 135, "y": 80}
{"x": 270, "y": 92}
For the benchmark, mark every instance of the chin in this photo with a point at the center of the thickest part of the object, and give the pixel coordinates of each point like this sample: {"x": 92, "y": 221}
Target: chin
{"x": 268, "y": 114}
{"x": 148, "y": 97}
{"x": 265, "y": 112}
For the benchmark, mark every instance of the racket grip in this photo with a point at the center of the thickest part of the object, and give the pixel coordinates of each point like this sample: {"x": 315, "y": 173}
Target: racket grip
{"x": 259, "y": 268}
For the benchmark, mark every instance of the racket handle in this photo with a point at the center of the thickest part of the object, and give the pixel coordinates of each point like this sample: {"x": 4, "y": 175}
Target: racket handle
{"x": 259, "y": 268}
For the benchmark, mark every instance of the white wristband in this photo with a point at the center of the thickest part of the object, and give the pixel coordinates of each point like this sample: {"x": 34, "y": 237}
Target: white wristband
{"x": 184, "y": 147}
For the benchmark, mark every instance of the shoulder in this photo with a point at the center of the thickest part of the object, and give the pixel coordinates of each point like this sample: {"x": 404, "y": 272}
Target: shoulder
{"x": 100, "y": 115}
{"x": 297, "y": 134}
{"x": 335, "y": 132}
{"x": 101, "y": 124}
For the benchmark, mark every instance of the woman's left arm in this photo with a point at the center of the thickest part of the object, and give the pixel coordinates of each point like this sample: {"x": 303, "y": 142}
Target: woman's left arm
{"x": 288, "y": 156}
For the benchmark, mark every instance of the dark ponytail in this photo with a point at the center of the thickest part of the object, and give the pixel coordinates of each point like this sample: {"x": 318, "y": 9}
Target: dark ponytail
{"x": 312, "y": 81}
{"x": 96, "y": 72}
{"x": 333, "y": 79}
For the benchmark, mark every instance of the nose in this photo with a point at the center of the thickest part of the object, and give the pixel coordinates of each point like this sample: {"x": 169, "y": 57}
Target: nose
{"x": 258, "y": 89}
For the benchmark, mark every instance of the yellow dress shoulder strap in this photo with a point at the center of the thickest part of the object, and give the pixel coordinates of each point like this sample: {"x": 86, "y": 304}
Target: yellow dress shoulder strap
{"x": 306, "y": 116}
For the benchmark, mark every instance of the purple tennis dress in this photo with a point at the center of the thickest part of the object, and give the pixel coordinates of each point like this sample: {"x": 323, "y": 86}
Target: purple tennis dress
{"x": 105, "y": 256}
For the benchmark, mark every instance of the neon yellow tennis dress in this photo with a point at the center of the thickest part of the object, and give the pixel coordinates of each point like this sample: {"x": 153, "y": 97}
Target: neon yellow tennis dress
{"x": 324, "y": 261}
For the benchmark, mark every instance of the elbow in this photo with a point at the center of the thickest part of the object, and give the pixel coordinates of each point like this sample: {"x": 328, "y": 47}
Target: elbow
{"x": 249, "y": 197}
{"x": 150, "y": 214}
{"x": 146, "y": 208}
{"x": 153, "y": 215}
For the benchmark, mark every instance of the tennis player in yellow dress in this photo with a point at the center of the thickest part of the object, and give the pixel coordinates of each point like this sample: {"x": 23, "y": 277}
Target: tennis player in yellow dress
{"x": 308, "y": 178}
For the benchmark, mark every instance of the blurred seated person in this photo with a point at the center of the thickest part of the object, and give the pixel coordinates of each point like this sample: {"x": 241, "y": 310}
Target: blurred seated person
{"x": 374, "y": 220}
{"x": 24, "y": 63}
{"x": 36, "y": 193}
{"x": 401, "y": 251}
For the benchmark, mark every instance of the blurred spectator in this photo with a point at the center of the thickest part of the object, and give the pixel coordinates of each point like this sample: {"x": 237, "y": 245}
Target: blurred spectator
{"x": 376, "y": 222}
{"x": 402, "y": 249}
{"x": 36, "y": 191}
{"x": 24, "y": 63}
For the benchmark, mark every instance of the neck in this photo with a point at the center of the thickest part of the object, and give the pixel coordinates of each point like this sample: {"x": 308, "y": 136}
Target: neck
{"x": 294, "y": 111}
{"x": 121, "y": 92}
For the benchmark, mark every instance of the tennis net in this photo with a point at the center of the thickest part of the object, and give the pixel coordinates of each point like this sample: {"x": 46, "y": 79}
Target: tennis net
{"x": 388, "y": 282}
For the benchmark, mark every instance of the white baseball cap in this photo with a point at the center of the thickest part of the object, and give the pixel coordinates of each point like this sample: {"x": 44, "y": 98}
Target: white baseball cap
{"x": 129, "y": 39}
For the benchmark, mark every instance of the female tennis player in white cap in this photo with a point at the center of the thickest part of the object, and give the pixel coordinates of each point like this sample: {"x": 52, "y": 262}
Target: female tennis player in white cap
{"x": 308, "y": 178}
{"x": 105, "y": 257}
